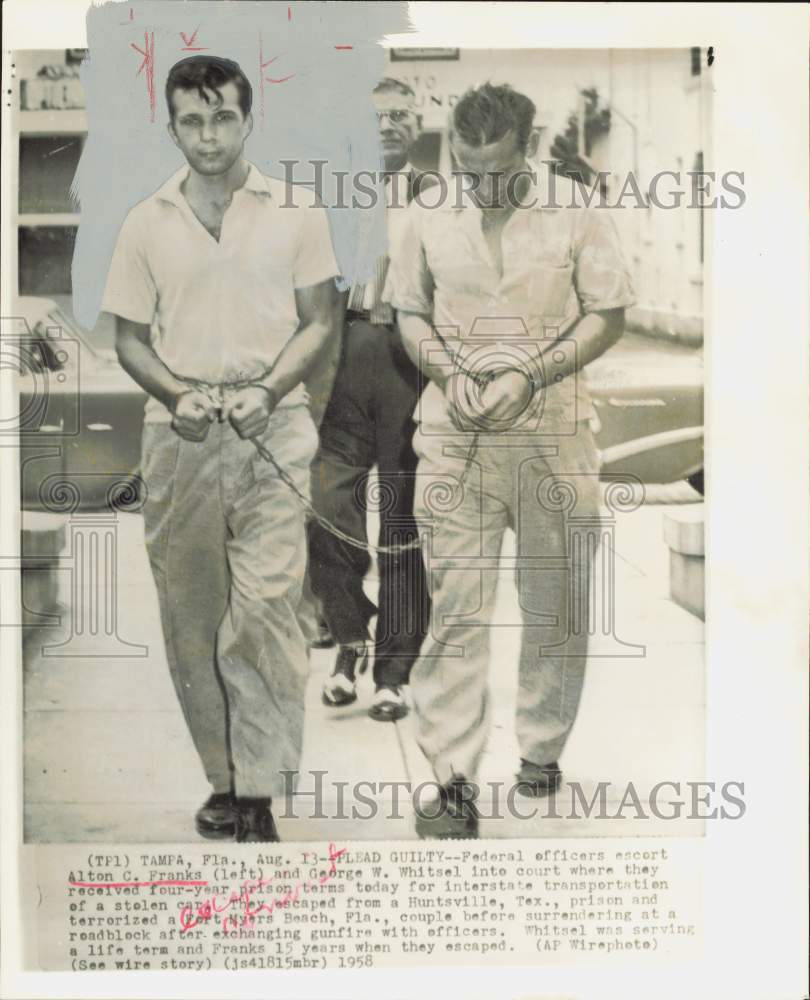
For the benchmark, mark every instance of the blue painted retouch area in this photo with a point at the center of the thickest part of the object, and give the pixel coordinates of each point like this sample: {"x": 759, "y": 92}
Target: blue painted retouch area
{"x": 312, "y": 66}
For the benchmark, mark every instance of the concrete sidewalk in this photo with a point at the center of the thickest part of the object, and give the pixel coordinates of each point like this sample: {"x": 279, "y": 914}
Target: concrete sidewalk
{"x": 108, "y": 758}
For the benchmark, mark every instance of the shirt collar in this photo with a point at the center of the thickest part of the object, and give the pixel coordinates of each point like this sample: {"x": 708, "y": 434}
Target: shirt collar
{"x": 404, "y": 175}
{"x": 171, "y": 191}
{"x": 404, "y": 171}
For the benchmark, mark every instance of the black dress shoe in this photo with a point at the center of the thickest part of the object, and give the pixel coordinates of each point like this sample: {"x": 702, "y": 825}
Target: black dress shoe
{"x": 216, "y": 818}
{"x": 254, "y": 822}
{"x": 537, "y": 780}
{"x": 457, "y": 816}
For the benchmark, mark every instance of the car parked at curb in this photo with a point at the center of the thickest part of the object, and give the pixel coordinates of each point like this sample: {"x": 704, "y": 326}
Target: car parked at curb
{"x": 80, "y": 413}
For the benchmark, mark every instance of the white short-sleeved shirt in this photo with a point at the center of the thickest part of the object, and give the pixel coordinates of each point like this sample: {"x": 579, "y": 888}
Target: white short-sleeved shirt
{"x": 558, "y": 263}
{"x": 219, "y": 311}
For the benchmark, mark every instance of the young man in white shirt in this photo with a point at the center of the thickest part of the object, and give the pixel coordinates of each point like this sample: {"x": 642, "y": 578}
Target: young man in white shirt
{"x": 223, "y": 301}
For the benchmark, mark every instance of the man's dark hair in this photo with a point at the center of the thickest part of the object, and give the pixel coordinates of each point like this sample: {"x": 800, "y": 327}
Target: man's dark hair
{"x": 487, "y": 113}
{"x": 389, "y": 83}
{"x": 203, "y": 73}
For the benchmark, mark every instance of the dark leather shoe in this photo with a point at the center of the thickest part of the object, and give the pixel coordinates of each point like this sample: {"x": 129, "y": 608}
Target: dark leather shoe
{"x": 216, "y": 818}
{"x": 255, "y": 823}
{"x": 537, "y": 780}
{"x": 454, "y": 816}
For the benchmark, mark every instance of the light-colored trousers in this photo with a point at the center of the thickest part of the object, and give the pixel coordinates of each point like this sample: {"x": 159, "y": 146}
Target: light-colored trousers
{"x": 227, "y": 546}
{"x": 544, "y": 487}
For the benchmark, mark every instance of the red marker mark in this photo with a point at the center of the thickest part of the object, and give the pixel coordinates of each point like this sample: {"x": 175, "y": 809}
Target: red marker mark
{"x": 148, "y": 53}
{"x": 210, "y": 908}
{"x": 271, "y": 79}
{"x": 343, "y": 47}
{"x": 189, "y": 46}
{"x": 263, "y": 64}
{"x": 128, "y": 885}
{"x": 289, "y": 14}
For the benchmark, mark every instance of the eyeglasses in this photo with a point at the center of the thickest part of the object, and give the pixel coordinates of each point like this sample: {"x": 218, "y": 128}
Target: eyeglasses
{"x": 396, "y": 116}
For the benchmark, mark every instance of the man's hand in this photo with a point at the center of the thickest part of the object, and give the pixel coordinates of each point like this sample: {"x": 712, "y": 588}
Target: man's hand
{"x": 505, "y": 398}
{"x": 249, "y": 410}
{"x": 193, "y": 413}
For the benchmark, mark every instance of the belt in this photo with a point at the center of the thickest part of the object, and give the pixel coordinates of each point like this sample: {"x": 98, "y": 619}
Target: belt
{"x": 365, "y": 316}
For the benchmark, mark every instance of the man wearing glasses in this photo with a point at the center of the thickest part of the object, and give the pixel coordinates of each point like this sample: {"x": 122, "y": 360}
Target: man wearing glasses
{"x": 369, "y": 422}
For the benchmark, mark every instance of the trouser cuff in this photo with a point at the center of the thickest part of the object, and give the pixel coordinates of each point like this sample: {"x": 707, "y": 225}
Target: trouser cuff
{"x": 391, "y": 673}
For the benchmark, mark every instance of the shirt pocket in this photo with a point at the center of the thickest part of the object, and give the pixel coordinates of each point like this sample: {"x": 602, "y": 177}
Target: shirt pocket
{"x": 549, "y": 290}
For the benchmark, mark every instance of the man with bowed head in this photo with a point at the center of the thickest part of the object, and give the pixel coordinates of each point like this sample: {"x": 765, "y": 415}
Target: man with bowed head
{"x": 527, "y": 295}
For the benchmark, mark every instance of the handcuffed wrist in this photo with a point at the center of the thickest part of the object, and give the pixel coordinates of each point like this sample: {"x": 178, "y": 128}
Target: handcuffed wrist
{"x": 454, "y": 379}
{"x": 271, "y": 393}
{"x": 534, "y": 384}
{"x": 176, "y": 399}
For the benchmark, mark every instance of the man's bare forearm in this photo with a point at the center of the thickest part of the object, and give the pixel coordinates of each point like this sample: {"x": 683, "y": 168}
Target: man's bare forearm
{"x": 298, "y": 357}
{"x": 138, "y": 359}
{"x": 423, "y": 347}
{"x": 594, "y": 334}
{"x": 318, "y": 308}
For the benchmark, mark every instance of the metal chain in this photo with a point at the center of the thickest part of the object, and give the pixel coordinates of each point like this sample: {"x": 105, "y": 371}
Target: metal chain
{"x": 325, "y": 523}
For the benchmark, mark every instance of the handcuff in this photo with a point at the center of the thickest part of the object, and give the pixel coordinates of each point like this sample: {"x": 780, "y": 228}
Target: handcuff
{"x": 206, "y": 388}
{"x": 483, "y": 380}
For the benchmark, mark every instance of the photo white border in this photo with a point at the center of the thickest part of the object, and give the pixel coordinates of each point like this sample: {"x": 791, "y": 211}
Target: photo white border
{"x": 756, "y": 319}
